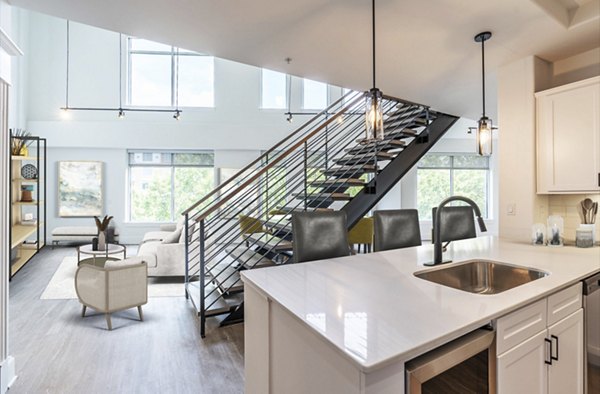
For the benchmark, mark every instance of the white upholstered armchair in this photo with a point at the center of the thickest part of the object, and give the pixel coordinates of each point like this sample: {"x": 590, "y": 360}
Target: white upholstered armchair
{"x": 119, "y": 285}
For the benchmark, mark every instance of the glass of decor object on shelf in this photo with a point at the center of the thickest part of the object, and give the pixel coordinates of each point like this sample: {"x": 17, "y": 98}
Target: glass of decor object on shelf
{"x": 538, "y": 234}
{"x": 555, "y": 230}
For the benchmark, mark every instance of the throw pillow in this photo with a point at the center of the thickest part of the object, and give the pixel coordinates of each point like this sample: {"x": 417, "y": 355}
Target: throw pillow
{"x": 172, "y": 238}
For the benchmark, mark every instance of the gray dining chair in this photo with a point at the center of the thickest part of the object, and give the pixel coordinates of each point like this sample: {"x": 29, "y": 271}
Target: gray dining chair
{"x": 319, "y": 235}
{"x": 395, "y": 229}
{"x": 456, "y": 223}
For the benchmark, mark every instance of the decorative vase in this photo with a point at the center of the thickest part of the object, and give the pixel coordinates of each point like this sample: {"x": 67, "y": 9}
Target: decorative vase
{"x": 101, "y": 240}
{"x": 24, "y": 151}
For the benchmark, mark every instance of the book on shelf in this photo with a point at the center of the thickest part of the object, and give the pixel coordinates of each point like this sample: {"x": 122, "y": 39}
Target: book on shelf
{"x": 32, "y": 222}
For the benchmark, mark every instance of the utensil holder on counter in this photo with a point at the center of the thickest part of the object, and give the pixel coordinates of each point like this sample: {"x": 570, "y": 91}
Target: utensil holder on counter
{"x": 585, "y": 235}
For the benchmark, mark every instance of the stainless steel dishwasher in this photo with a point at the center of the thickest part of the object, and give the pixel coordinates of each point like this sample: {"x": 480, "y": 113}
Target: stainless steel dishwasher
{"x": 591, "y": 309}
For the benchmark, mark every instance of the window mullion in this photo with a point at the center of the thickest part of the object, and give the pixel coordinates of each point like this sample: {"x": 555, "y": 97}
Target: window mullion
{"x": 172, "y": 192}
{"x": 173, "y": 76}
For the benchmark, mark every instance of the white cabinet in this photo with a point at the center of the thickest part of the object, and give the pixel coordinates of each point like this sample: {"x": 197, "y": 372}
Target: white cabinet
{"x": 549, "y": 361}
{"x": 568, "y": 138}
{"x": 566, "y": 372}
{"x": 522, "y": 369}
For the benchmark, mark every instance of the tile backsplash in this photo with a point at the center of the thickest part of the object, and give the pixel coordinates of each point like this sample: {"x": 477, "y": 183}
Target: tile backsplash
{"x": 568, "y": 206}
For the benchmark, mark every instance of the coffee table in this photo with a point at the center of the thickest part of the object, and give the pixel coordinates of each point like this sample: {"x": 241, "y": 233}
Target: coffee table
{"x": 99, "y": 257}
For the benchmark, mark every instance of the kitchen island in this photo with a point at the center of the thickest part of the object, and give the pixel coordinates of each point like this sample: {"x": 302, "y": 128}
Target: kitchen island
{"x": 349, "y": 324}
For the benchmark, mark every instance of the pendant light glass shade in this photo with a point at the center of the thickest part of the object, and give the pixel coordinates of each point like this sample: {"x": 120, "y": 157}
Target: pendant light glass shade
{"x": 374, "y": 115}
{"x": 484, "y": 136}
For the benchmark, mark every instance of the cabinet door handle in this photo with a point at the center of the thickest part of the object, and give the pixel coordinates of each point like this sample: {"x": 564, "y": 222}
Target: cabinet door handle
{"x": 551, "y": 352}
{"x": 548, "y": 351}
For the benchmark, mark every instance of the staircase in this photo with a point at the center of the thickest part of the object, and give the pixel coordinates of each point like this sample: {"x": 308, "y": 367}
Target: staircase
{"x": 326, "y": 164}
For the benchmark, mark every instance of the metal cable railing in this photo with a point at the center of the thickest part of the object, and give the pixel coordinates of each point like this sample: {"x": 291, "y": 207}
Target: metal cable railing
{"x": 312, "y": 168}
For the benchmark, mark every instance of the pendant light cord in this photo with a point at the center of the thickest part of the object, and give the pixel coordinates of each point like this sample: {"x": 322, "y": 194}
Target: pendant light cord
{"x": 67, "y": 82}
{"x": 373, "y": 12}
{"x": 120, "y": 71}
{"x": 289, "y": 93}
{"x": 177, "y": 82}
{"x": 483, "y": 74}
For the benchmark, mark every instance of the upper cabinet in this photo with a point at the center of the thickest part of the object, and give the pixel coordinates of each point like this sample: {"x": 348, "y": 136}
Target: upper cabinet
{"x": 568, "y": 138}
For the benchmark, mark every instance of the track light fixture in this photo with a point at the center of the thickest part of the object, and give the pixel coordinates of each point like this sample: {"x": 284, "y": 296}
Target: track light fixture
{"x": 120, "y": 110}
{"x": 289, "y": 118}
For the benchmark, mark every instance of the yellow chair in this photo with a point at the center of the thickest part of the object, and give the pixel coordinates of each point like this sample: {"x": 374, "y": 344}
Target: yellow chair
{"x": 362, "y": 234}
{"x": 250, "y": 225}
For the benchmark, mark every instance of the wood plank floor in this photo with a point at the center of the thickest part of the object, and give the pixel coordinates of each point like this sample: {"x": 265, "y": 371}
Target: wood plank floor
{"x": 57, "y": 351}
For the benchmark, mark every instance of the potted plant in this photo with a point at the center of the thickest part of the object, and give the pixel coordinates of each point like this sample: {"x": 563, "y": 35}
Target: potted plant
{"x": 19, "y": 142}
{"x": 102, "y": 226}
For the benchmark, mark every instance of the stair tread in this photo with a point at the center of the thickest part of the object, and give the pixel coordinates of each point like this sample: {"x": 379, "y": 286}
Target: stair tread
{"x": 381, "y": 145}
{"x": 228, "y": 279}
{"x": 250, "y": 259}
{"x": 339, "y": 181}
{"x": 278, "y": 224}
{"x": 271, "y": 242}
{"x": 346, "y": 170}
{"x": 219, "y": 305}
{"x": 290, "y": 210}
{"x": 419, "y": 122}
{"x": 364, "y": 159}
{"x": 367, "y": 150}
{"x": 324, "y": 196}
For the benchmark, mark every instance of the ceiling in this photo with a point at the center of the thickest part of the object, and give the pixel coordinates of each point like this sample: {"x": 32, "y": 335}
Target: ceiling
{"x": 425, "y": 49}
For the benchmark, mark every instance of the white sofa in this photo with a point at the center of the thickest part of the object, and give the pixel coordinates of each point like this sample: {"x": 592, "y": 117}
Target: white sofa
{"x": 164, "y": 259}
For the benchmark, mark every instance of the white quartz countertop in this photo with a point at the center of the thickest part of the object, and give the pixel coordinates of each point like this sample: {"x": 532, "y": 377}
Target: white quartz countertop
{"x": 373, "y": 310}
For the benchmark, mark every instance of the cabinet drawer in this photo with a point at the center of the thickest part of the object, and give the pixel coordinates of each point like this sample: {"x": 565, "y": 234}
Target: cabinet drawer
{"x": 563, "y": 303}
{"x": 518, "y": 326}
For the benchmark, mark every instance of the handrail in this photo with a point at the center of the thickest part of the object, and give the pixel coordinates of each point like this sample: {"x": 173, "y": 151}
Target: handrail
{"x": 266, "y": 153}
{"x": 272, "y": 163}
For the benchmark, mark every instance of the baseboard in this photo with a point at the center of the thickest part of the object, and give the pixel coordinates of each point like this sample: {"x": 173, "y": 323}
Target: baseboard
{"x": 7, "y": 374}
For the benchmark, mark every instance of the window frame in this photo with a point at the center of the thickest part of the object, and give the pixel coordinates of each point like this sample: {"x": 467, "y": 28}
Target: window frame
{"x": 172, "y": 166}
{"x": 287, "y": 89}
{"x": 173, "y": 54}
{"x": 327, "y": 98}
{"x": 451, "y": 168}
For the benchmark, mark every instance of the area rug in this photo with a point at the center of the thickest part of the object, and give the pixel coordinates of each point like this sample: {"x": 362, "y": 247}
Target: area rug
{"x": 62, "y": 284}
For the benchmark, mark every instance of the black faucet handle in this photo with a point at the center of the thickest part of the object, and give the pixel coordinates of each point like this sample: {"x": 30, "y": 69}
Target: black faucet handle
{"x": 481, "y": 223}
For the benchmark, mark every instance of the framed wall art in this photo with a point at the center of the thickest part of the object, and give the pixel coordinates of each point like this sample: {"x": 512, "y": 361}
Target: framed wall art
{"x": 80, "y": 188}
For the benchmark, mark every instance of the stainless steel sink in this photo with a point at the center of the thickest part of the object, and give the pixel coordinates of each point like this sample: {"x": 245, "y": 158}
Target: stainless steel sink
{"x": 481, "y": 276}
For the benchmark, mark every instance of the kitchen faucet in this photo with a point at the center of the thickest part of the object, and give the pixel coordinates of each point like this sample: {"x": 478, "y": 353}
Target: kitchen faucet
{"x": 437, "y": 236}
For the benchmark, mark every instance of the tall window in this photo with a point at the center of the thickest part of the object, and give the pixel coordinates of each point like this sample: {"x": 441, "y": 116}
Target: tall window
{"x": 164, "y": 184}
{"x": 315, "y": 95}
{"x": 274, "y": 89}
{"x": 443, "y": 175}
{"x": 153, "y": 72}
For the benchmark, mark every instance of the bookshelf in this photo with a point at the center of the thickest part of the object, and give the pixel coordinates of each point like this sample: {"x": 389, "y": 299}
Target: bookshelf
{"x": 27, "y": 236}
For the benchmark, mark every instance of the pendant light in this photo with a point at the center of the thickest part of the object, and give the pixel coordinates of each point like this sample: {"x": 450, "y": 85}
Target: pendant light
{"x": 373, "y": 109}
{"x": 484, "y": 125}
